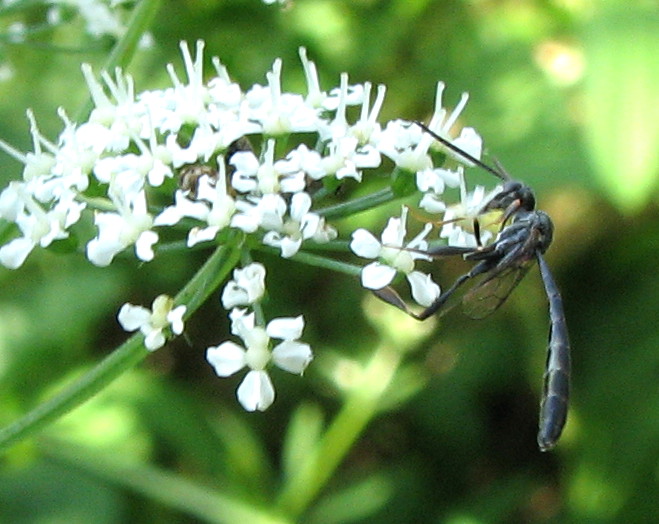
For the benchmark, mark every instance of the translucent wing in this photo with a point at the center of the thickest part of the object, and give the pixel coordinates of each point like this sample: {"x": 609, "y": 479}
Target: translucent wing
{"x": 486, "y": 296}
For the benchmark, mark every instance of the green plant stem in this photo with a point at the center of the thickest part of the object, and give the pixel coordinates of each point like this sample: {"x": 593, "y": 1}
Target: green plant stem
{"x": 123, "y": 51}
{"x": 358, "y": 205}
{"x": 361, "y": 406}
{"x": 206, "y": 504}
{"x": 312, "y": 259}
{"x": 202, "y": 284}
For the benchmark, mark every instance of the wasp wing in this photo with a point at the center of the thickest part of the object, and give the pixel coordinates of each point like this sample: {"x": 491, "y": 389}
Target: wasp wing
{"x": 485, "y": 297}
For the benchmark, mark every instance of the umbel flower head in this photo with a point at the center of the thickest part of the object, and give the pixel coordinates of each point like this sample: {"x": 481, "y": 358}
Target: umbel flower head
{"x": 133, "y": 143}
{"x": 192, "y": 161}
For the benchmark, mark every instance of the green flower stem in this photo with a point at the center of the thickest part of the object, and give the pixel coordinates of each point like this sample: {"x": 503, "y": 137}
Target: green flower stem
{"x": 357, "y": 205}
{"x": 312, "y": 259}
{"x": 207, "y": 505}
{"x": 362, "y": 404}
{"x": 207, "y": 279}
{"x": 123, "y": 51}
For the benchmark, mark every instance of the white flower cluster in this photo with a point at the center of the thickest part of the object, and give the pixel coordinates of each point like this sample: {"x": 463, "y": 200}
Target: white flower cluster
{"x": 179, "y": 158}
{"x": 256, "y": 391}
{"x": 125, "y": 156}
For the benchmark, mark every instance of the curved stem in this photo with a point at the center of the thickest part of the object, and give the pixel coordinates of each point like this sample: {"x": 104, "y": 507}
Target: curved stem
{"x": 358, "y": 205}
{"x": 312, "y": 259}
{"x": 202, "y": 284}
{"x": 360, "y": 408}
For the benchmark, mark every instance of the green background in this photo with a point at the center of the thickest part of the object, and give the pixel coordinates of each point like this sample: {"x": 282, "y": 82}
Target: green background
{"x": 564, "y": 94}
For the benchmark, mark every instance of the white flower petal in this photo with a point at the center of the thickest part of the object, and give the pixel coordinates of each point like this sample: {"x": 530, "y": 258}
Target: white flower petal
{"x": 377, "y": 275}
{"x": 364, "y": 244}
{"x": 424, "y": 290}
{"x": 175, "y": 319}
{"x": 168, "y": 217}
{"x": 470, "y": 142}
{"x": 256, "y": 391}
{"x": 432, "y": 204}
{"x": 241, "y": 321}
{"x": 287, "y": 328}
{"x": 197, "y": 235}
{"x": 154, "y": 339}
{"x": 300, "y": 205}
{"x": 233, "y": 295}
{"x": 292, "y": 356}
{"x": 394, "y": 233}
{"x": 289, "y": 246}
{"x": 13, "y": 254}
{"x": 133, "y": 317}
{"x": 247, "y": 287}
{"x": 101, "y": 253}
{"x": 245, "y": 161}
{"x": 246, "y": 222}
{"x": 226, "y": 359}
{"x": 144, "y": 245}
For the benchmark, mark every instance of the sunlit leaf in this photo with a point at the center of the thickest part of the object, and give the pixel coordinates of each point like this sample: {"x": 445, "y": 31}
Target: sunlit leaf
{"x": 622, "y": 102}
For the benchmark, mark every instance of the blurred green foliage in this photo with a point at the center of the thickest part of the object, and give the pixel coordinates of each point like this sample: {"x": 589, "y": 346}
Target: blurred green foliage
{"x": 564, "y": 94}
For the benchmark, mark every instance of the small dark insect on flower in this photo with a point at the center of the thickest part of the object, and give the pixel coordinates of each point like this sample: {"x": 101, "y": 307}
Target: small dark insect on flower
{"x": 190, "y": 174}
{"x": 524, "y": 236}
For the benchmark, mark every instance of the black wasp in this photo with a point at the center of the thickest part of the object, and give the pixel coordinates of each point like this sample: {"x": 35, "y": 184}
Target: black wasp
{"x": 525, "y": 235}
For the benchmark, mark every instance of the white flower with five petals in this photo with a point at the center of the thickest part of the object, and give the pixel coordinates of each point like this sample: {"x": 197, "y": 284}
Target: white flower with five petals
{"x": 247, "y": 286}
{"x": 256, "y": 391}
{"x": 153, "y": 322}
{"x": 395, "y": 255}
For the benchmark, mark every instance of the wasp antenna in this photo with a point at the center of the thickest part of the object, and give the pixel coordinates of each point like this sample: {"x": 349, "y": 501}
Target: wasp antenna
{"x": 499, "y": 174}
{"x": 428, "y": 220}
{"x": 502, "y": 169}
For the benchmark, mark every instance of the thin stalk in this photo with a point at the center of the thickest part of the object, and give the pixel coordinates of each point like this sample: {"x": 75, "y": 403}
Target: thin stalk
{"x": 358, "y": 205}
{"x": 312, "y": 259}
{"x": 361, "y": 406}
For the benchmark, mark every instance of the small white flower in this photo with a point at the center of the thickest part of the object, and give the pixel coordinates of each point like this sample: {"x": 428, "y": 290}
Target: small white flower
{"x": 315, "y": 97}
{"x": 252, "y": 176}
{"x": 458, "y": 219}
{"x": 395, "y": 255}
{"x": 37, "y": 225}
{"x": 247, "y": 286}
{"x": 153, "y": 322}
{"x": 116, "y": 231}
{"x": 256, "y": 391}
{"x": 287, "y": 231}
{"x": 432, "y": 183}
{"x": 367, "y": 128}
{"x": 280, "y": 113}
{"x": 212, "y": 205}
{"x": 406, "y": 144}
{"x": 346, "y": 157}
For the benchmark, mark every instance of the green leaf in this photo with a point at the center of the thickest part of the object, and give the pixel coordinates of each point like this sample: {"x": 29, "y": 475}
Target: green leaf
{"x": 622, "y": 102}
{"x": 302, "y": 437}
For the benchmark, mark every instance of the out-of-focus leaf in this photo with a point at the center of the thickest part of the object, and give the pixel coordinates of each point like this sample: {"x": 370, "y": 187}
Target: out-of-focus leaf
{"x": 622, "y": 101}
{"x": 302, "y": 437}
{"x": 355, "y": 501}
